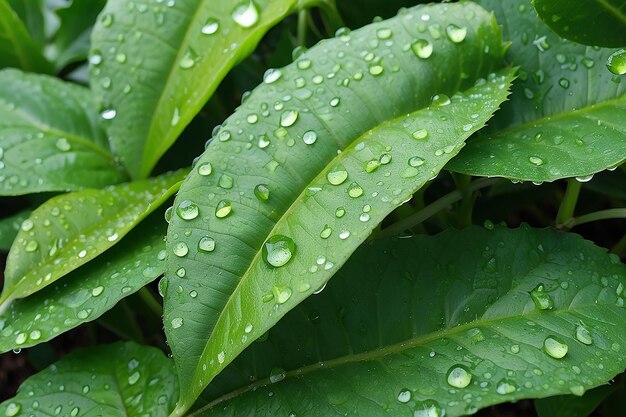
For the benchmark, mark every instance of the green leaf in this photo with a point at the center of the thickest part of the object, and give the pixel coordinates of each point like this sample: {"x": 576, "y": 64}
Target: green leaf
{"x": 88, "y": 292}
{"x": 594, "y": 23}
{"x": 17, "y": 48}
{"x": 383, "y": 336}
{"x": 315, "y": 173}
{"x": 70, "y": 230}
{"x": 571, "y": 406}
{"x": 158, "y": 79}
{"x": 50, "y": 137}
{"x": 72, "y": 41}
{"x": 566, "y": 116}
{"x": 31, "y": 12}
{"x": 121, "y": 379}
{"x": 9, "y": 227}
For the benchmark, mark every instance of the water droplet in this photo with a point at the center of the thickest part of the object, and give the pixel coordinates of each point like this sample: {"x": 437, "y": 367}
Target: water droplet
{"x": 206, "y": 244}
{"x": 476, "y": 335}
{"x": 542, "y": 300}
{"x": 428, "y": 408}
{"x": 334, "y": 102}
{"x": 583, "y": 335}
{"x": 376, "y": 69}
{"x": 309, "y": 137}
{"x": 459, "y": 376}
{"x": 326, "y": 232}
{"x": 181, "y": 249}
{"x": 106, "y": 20}
{"x": 416, "y": 161}
{"x": 278, "y": 250}
{"x": 63, "y": 145}
{"x": 373, "y": 165}
{"x": 175, "y": 117}
{"x": 404, "y": 396}
{"x": 13, "y": 409}
{"x": 277, "y": 375}
{"x": 617, "y": 62}
{"x": 340, "y": 212}
{"x": 262, "y": 192}
{"x": 134, "y": 377}
{"x": 343, "y": 33}
{"x": 384, "y": 33}
{"x": 187, "y": 210}
{"x": 108, "y": 114}
{"x": 31, "y": 246}
{"x": 344, "y": 234}
{"x": 420, "y": 134}
{"x": 223, "y": 209}
{"x": 210, "y": 27}
{"x": 281, "y": 294}
{"x": 27, "y": 225}
{"x": 21, "y": 339}
{"x": 535, "y": 160}
{"x": 226, "y": 182}
{"x": 355, "y": 190}
{"x": 455, "y": 33}
{"x": 288, "y": 118}
{"x": 181, "y": 272}
{"x": 337, "y": 176}
{"x": 246, "y": 14}
{"x": 205, "y": 169}
{"x": 506, "y": 386}
{"x": 304, "y": 64}
{"x": 440, "y": 100}
{"x": 422, "y": 48}
{"x": 97, "y": 291}
{"x": 189, "y": 59}
{"x": 120, "y": 58}
{"x": 564, "y": 82}
{"x": 177, "y": 322}
{"x": 555, "y": 347}
{"x": 225, "y": 136}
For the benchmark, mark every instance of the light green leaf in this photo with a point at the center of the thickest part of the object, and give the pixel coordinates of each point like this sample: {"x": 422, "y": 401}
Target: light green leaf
{"x": 572, "y": 406}
{"x": 567, "y": 113}
{"x": 70, "y": 230}
{"x": 50, "y": 137}
{"x": 349, "y": 136}
{"x": 154, "y": 82}
{"x": 17, "y": 48}
{"x": 88, "y": 292}
{"x": 9, "y": 227}
{"x": 121, "y": 380}
{"x": 594, "y": 23}
{"x": 383, "y": 337}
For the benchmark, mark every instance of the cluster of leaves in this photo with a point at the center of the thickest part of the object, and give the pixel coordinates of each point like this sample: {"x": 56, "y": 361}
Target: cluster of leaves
{"x": 344, "y": 163}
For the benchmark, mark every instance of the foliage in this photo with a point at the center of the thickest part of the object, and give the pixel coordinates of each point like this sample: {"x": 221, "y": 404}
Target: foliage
{"x": 381, "y": 157}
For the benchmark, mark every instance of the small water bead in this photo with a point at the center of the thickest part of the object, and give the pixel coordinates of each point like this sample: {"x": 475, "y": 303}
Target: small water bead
{"x": 288, "y": 118}
{"x": 583, "y": 335}
{"x": 63, "y": 145}
{"x": 456, "y": 33}
{"x": 542, "y": 300}
{"x": 226, "y": 182}
{"x": 176, "y": 322}
{"x": 181, "y": 272}
{"x": 555, "y": 347}
{"x": 422, "y": 48}
{"x": 262, "y": 192}
{"x": 121, "y": 58}
{"x": 304, "y": 64}
{"x": 187, "y": 210}
{"x": 337, "y": 176}
{"x": 246, "y": 14}
{"x": 586, "y": 178}
{"x": 334, "y": 102}
{"x": 404, "y": 396}
{"x": 106, "y": 20}
{"x": 168, "y": 214}
{"x": 340, "y": 212}
{"x": 309, "y": 137}
{"x": 13, "y": 409}
{"x": 181, "y": 249}
{"x": 440, "y": 100}
{"x": 206, "y": 244}
{"x": 344, "y": 234}
{"x": 343, "y": 33}
{"x": 416, "y": 161}
{"x": 21, "y": 339}
{"x": 27, "y": 225}
{"x": 252, "y": 118}
{"x": 373, "y": 165}
{"x": 264, "y": 141}
{"x": 278, "y": 250}
{"x": 459, "y": 376}
{"x": 205, "y": 169}
{"x": 281, "y": 294}
{"x": 225, "y": 136}
{"x": 420, "y": 134}
{"x": 376, "y": 69}
{"x": 355, "y": 190}
{"x": 189, "y": 59}
{"x": 31, "y": 246}
{"x": 210, "y": 27}
{"x": 428, "y": 408}
{"x": 535, "y": 160}
{"x": 223, "y": 209}
{"x": 617, "y": 62}
{"x": 97, "y": 291}
{"x": 272, "y": 75}
{"x": 564, "y": 82}
{"x": 326, "y": 232}
{"x": 277, "y": 375}
{"x": 108, "y": 114}
{"x": 506, "y": 386}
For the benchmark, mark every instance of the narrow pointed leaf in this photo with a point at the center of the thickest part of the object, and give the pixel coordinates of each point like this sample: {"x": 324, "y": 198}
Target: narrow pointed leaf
{"x": 17, "y": 48}
{"x": 383, "y": 337}
{"x": 9, "y": 226}
{"x": 158, "y": 79}
{"x": 567, "y": 113}
{"x": 594, "y": 23}
{"x": 50, "y": 137}
{"x": 31, "y": 12}
{"x": 121, "y": 379}
{"x": 88, "y": 292}
{"x": 314, "y": 174}
{"x": 70, "y": 230}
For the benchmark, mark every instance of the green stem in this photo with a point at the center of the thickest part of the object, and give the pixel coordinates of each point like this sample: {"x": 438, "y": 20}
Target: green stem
{"x": 464, "y": 211}
{"x": 618, "y": 213}
{"x": 151, "y": 301}
{"x": 331, "y": 17}
{"x": 620, "y": 246}
{"x": 303, "y": 25}
{"x": 568, "y": 205}
{"x": 434, "y": 208}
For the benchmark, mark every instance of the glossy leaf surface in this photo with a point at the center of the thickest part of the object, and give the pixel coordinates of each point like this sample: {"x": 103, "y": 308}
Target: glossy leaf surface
{"x": 445, "y": 324}
{"x": 88, "y": 292}
{"x": 50, "y": 137}
{"x": 154, "y": 81}
{"x": 70, "y": 230}
{"x": 567, "y": 113}
{"x": 594, "y": 23}
{"x": 9, "y": 226}
{"x": 121, "y": 380}
{"x": 314, "y": 159}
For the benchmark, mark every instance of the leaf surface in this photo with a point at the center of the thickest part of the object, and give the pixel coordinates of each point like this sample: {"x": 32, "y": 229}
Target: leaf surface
{"x": 9, "y": 226}
{"x": 70, "y": 230}
{"x": 50, "y": 137}
{"x": 572, "y": 406}
{"x": 311, "y": 171}
{"x": 31, "y": 13}
{"x": 383, "y": 337}
{"x": 121, "y": 379}
{"x": 88, "y": 292}
{"x": 594, "y": 23}
{"x": 566, "y": 117}
{"x": 156, "y": 80}
{"x": 17, "y": 48}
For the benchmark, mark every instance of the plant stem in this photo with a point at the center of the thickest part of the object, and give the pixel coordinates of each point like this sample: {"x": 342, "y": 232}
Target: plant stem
{"x": 331, "y": 17}
{"x": 464, "y": 211}
{"x": 303, "y": 25}
{"x": 434, "y": 208}
{"x": 152, "y": 303}
{"x": 568, "y": 205}
{"x": 618, "y": 213}
{"x": 620, "y": 246}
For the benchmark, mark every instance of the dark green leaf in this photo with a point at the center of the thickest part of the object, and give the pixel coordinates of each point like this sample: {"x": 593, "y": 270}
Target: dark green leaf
{"x": 312, "y": 175}
{"x": 567, "y": 113}
{"x": 31, "y": 12}
{"x": 571, "y": 406}
{"x": 121, "y": 380}
{"x": 70, "y": 230}
{"x": 357, "y": 14}
{"x": 88, "y": 292}
{"x": 17, "y": 48}
{"x": 383, "y": 336}
{"x": 595, "y": 23}
{"x": 9, "y": 226}
{"x": 157, "y": 80}
{"x": 50, "y": 137}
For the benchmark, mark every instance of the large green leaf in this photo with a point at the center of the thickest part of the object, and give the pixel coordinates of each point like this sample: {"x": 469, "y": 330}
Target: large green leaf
{"x": 595, "y": 23}
{"x": 50, "y": 137}
{"x": 17, "y": 48}
{"x": 31, "y": 12}
{"x": 312, "y": 161}
{"x": 404, "y": 324}
{"x": 70, "y": 230}
{"x": 88, "y": 292}
{"x": 567, "y": 113}
{"x": 154, "y": 79}
{"x": 9, "y": 226}
{"x": 120, "y": 380}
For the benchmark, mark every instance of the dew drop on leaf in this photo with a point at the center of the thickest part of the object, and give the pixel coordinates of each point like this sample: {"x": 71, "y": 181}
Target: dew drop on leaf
{"x": 205, "y": 169}
{"x": 210, "y": 27}
{"x": 422, "y": 48}
{"x": 223, "y": 209}
{"x": 278, "y": 250}
{"x": 555, "y": 347}
{"x": 337, "y": 176}
{"x": 455, "y": 33}
{"x": 458, "y": 376}
{"x": 404, "y": 396}
{"x": 617, "y": 62}
{"x": 506, "y": 386}
{"x": 262, "y": 192}
{"x": 583, "y": 335}
{"x": 246, "y": 14}
{"x": 187, "y": 210}
{"x": 542, "y": 300}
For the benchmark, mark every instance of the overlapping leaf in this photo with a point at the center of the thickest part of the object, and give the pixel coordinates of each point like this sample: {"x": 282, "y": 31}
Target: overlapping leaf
{"x": 69, "y": 230}
{"x": 314, "y": 159}
{"x": 9, "y": 226}
{"x": 122, "y": 379}
{"x": 566, "y": 116}
{"x": 88, "y": 292}
{"x": 50, "y": 137}
{"x": 433, "y": 326}
{"x": 155, "y": 66}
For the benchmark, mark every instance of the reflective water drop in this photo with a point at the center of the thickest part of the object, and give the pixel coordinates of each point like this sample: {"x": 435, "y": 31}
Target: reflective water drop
{"x": 108, "y": 114}
{"x": 334, "y": 102}
{"x": 120, "y": 58}
{"x": 420, "y": 134}
{"x": 134, "y": 377}
{"x": 416, "y": 161}
{"x": 506, "y": 386}
{"x": 264, "y": 141}
{"x": 440, "y": 100}
{"x": 63, "y": 145}
{"x": 226, "y": 182}
{"x": 583, "y": 335}
{"x": 404, "y": 396}
{"x": 27, "y": 225}
{"x": 278, "y": 250}
{"x": 272, "y": 75}
{"x": 542, "y": 300}
{"x": 225, "y": 136}
{"x": 181, "y": 249}
{"x": 177, "y": 322}
{"x": 373, "y": 165}
{"x": 376, "y": 69}
{"x": 309, "y": 137}
{"x": 326, "y": 232}
{"x": 617, "y": 62}
{"x": 277, "y": 375}
{"x": 189, "y": 59}
{"x": 97, "y": 291}
{"x": 21, "y": 339}
{"x": 337, "y": 176}
{"x": 455, "y": 33}
{"x": 106, "y": 20}
{"x": 555, "y": 347}
{"x": 223, "y": 209}
{"x": 428, "y": 408}
{"x": 31, "y": 246}
{"x": 288, "y": 118}
{"x": 13, "y": 409}
{"x": 384, "y": 33}
{"x": 535, "y": 160}
{"x": 344, "y": 234}
{"x": 262, "y": 192}
{"x": 281, "y": 294}
{"x": 422, "y": 48}
{"x": 304, "y": 64}
{"x": 206, "y": 244}
{"x": 355, "y": 190}
{"x": 340, "y": 212}
{"x": 459, "y": 376}
{"x": 205, "y": 169}
{"x": 210, "y": 27}
{"x": 187, "y": 210}
{"x": 246, "y": 14}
